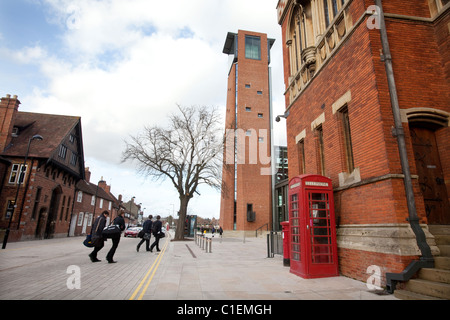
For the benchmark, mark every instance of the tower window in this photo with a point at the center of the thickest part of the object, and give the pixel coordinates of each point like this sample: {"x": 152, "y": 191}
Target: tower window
{"x": 253, "y": 47}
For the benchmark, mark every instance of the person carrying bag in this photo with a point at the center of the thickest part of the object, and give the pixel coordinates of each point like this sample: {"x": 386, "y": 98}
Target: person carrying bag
{"x": 156, "y": 233}
{"x": 97, "y": 235}
{"x": 147, "y": 230}
{"x": 114, "y": 234}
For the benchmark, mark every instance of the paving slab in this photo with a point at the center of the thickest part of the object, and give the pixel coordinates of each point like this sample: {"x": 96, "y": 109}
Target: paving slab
{"x": 235, "y": 270}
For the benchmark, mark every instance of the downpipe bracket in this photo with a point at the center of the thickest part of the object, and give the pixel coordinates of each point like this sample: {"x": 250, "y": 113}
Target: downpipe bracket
{"x": 397, "y": 131}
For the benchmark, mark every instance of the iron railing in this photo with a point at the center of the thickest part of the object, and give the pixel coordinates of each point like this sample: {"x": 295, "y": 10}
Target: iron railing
{"x": 261, "y": 229}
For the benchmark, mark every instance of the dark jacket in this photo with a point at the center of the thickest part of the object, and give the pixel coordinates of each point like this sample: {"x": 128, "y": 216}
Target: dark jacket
{"x": 120, "y": 221}
{"x": 98, "y": 226}
{"x": 147, "y": 227}
{"x": 157, "y": 227}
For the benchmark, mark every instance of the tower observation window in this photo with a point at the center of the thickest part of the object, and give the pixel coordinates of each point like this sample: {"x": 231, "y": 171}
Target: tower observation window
{"x": 253, "y": 47}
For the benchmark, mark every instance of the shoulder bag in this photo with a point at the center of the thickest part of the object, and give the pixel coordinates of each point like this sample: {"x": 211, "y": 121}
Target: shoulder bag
{"x": 88, "y": 241}
{"x": 111, "y": 231}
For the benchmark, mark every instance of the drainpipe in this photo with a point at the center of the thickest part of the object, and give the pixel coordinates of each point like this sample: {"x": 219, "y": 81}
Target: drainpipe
{"x": 426, "y": 260}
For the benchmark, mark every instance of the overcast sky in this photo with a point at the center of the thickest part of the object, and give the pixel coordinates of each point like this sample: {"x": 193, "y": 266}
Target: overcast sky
{"x": 124, "y": 64}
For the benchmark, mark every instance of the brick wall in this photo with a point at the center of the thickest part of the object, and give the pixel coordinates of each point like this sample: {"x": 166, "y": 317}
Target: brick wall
{"x": 421, "y": 72}
{"x": 47, "y": 179}
{"x": 8, "y": 111}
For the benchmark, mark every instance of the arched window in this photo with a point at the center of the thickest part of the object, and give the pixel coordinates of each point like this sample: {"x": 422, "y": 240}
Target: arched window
{"x": 301, "y": 36}
{"x": 315, "y": 28}
{"x": 294, "y": 41}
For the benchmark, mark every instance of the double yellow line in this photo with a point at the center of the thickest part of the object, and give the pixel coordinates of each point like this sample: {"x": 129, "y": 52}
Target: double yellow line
{"x": 153, "y": 268}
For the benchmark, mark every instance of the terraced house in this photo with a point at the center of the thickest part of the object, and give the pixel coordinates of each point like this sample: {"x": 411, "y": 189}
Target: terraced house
{"x": 42, "y": 161}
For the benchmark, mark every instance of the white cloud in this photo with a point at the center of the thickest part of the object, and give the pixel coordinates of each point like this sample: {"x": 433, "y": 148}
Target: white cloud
{"x": 27, "y": 55}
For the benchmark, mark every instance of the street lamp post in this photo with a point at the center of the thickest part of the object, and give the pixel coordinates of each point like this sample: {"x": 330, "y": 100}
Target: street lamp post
{"x": 129, "y": 218}
{"x": 139, "y": 212}
{"x": 5, "y": 239}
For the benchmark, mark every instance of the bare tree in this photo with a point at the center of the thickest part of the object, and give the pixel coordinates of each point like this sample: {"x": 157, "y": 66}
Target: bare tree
{"x": 188, "y": 152}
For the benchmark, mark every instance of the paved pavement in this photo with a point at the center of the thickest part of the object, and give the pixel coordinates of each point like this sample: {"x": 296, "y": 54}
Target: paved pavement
{"x": 59, "y": 269}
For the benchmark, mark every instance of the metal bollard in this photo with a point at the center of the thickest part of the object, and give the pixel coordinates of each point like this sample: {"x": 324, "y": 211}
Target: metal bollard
{"x": 209, "y": 245}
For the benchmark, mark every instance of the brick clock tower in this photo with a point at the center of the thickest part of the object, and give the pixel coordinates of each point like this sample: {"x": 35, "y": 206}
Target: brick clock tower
{"x": 246, "y": 200}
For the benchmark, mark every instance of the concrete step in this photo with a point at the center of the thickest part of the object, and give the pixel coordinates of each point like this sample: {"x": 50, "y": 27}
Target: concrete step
{"x": 433, "y": 274}
{"x": 442, "y": 263}
{"x": 429, "y": 288}
{"x": 432, "y": 283}
{"x": 445, "y": 250}
{"x": 443, "y": 229}
{"x": 409, "y": 295}
{"x": 442, "y": 239}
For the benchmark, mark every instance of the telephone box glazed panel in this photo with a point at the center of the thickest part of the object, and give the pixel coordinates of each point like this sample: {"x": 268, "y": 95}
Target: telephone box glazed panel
{"x": 313, "y": 248}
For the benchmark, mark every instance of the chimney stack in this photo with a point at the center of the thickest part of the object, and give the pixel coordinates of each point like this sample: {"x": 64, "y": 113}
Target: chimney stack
{"x": 8, "y": 110}
{"x": 87, "y": 174}
{"x": 102, "y": 184}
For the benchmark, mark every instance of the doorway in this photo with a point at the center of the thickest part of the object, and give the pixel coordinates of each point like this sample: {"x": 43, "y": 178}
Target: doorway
{"x": 73, "y": 224}
{"x": 41, "y": 223}
{"x": 429, "y": 169}
{"x": 53, "y": 213}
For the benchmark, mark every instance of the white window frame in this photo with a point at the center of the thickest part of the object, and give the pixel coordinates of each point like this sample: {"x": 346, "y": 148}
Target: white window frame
{"x": 80, "y": 219}
{"x": 18, "y": 175}
{"x": 91, "y": 215}
{"x": 80, "y": 196}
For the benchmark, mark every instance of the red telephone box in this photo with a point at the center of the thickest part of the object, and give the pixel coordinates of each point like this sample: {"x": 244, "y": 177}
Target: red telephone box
{"x": 313, "y": 247}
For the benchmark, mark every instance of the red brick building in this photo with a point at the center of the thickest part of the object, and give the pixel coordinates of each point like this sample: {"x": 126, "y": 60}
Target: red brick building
{"x": 42, "y": 162}
{"x": 340, "y": 119}
{"x": 90, "y": 201}
{"x": 246, "y": 201}
{"x": 54, "y": 195}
